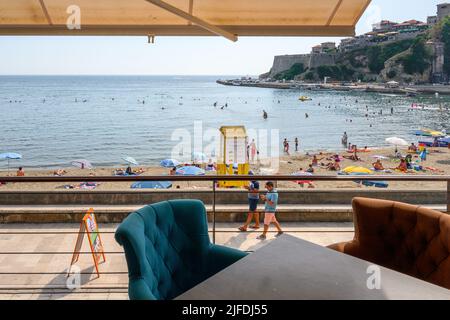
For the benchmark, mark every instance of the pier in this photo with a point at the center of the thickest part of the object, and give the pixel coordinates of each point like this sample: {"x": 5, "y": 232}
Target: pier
{"x": 356, "y": 87}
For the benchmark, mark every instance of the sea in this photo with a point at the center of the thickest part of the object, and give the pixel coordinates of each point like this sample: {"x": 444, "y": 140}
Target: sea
{"x": 52, "y": 120}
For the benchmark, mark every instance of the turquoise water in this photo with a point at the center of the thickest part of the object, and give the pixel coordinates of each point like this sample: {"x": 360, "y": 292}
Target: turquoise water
{"x": 53, "y": 120}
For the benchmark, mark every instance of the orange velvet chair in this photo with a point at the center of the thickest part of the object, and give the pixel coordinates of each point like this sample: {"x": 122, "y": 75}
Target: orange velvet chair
{"x": 406, "y": 238}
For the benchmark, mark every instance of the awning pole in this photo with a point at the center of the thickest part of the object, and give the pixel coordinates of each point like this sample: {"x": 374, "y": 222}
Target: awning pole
{"x": 205, "y": 25}
{"x": 44, "y": 9}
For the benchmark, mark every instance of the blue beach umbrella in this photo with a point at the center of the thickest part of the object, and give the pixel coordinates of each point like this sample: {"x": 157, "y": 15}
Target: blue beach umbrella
{"x": 169, "y": 163}
{"x": 151, "y": 185}
{"x": 10, "y": 156}
{"x": 190, "y": 171}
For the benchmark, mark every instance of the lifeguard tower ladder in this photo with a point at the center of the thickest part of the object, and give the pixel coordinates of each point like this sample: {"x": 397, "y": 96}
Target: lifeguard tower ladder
{"x": 233, "y": 147}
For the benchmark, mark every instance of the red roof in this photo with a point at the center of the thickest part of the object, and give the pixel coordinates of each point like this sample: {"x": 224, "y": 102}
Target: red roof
{"x": 387, "y": 22}
{"x": 410, "y": 22}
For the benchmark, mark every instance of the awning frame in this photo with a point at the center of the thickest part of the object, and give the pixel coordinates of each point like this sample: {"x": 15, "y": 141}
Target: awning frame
{"x": 195, "y": 26}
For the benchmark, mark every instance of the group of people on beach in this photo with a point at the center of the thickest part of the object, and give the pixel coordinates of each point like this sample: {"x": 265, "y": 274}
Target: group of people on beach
{"x": 286, "y": 145}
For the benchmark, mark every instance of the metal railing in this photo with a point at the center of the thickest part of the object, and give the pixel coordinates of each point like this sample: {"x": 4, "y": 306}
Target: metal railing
{"x": 214, "y": 179}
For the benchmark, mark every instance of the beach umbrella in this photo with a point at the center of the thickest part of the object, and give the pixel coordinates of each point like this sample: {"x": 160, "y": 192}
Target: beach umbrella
{"x": 130, "y": 160}
{"x": 397, "y": 141}
{"x": 357, "y": 170}
{"x": 10, "y": 156}
{"x": 445, "y": 140}
{"x": 190, "y": 171}
{"x": 151, "y": 185}
{"x": 169, "y": 163}
{"x": 82, "y": 163}
{"x": 429, "y": 133}
{"x": 199, "y": 157}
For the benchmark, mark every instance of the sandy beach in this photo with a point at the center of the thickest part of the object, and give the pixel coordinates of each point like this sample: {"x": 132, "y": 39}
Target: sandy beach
{"x": 438, "y": 163}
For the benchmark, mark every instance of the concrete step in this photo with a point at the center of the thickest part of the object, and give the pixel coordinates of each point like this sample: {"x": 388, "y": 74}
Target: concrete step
{"x": 224, "y": 213}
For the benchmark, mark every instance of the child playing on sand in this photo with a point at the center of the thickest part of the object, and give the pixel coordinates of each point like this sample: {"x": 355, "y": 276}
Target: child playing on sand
{"x": 271, "y": 200}
{"x": 423, "y": 155}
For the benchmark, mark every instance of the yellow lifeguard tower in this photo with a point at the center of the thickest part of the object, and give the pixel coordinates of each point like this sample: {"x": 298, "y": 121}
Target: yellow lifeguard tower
{"x": 233, "y": 147}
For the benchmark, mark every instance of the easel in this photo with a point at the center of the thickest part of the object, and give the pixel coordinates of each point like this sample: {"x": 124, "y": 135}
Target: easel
{"x": 89, "y": 226}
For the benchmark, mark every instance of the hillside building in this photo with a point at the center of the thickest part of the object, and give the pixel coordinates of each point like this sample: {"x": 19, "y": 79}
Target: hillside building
{"x": 443, "y": 10}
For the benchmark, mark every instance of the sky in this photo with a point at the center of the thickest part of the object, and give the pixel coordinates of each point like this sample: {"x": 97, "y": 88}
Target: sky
{"x": 177, "y": 55}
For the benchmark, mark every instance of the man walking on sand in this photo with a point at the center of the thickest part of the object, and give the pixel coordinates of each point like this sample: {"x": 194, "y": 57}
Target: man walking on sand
{"x": 271, "y": 200}
{"x": 253, "y": 199}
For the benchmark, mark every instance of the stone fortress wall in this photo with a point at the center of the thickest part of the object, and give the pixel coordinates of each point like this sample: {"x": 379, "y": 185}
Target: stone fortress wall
{"x": 285, "y": 62}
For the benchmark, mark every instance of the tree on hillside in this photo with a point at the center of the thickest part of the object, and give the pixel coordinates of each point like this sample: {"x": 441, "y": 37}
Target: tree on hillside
{"x": 445, "y": 37}
{"x": 419, "y": 59}
{"x": 291, "y": 73}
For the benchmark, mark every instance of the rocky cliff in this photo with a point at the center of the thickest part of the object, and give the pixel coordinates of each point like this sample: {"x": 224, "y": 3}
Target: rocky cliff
{"x": 423, "y": 59}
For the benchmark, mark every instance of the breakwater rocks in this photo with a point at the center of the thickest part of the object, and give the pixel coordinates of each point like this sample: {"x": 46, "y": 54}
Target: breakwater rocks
{"x": 378, "y": 88}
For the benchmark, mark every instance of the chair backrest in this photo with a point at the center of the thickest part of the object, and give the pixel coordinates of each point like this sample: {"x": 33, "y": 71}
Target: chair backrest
{"x": 165, "y": 245}
{"x": 406, "y": 238}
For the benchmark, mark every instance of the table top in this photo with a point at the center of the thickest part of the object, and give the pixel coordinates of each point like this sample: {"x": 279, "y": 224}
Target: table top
{"x": 289, "y": 268}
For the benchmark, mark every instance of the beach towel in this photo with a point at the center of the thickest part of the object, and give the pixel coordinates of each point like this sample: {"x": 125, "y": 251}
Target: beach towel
{"x": 376, "y": 184}
{"x": 385, "y": 170}
{"x": 123, "y": 174}
{"x": 87, "y": 185}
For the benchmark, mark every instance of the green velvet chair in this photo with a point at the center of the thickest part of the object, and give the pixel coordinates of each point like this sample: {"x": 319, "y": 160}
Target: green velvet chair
{"x": 168, "y": 250}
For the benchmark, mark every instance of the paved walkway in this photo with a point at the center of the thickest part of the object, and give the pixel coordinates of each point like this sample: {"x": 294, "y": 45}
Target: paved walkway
{"x": 39, "y": 272}
{"x": 219, "y": 207}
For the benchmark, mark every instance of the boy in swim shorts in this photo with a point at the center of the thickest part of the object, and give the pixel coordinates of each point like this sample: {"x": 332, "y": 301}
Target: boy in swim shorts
{"x": 271, "y": 200}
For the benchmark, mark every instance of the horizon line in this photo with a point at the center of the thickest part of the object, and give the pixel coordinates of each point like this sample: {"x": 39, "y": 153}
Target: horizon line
{"x": 126, "y": 75}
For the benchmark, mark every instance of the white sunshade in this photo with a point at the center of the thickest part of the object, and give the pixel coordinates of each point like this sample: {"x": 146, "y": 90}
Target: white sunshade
{"x": 397, "y": 141}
